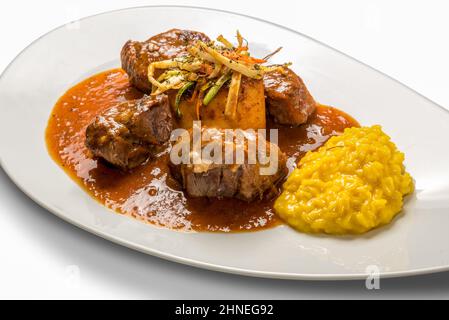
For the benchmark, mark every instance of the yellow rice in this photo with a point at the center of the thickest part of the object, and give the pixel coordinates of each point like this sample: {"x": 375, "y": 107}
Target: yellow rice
{"x": 352, "y": 184}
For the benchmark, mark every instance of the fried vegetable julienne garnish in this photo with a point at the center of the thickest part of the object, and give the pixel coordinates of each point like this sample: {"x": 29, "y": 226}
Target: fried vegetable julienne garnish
{"x": 208, "y": 67}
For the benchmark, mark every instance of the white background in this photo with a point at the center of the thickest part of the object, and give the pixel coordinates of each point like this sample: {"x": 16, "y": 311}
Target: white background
{"x": 44, "y": 257}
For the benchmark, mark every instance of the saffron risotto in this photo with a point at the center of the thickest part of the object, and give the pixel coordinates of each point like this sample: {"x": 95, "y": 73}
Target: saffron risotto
{"x": 355, "y": 182}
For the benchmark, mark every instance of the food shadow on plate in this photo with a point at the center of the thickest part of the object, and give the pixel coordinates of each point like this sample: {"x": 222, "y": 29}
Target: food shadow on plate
{"x": 140, "y": 275}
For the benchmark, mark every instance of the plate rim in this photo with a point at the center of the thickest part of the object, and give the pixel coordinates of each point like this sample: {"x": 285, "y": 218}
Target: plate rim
{"x": 196, "y": 263}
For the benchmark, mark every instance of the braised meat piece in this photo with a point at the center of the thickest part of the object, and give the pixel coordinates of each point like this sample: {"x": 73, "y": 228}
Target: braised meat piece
{"x": 136, "y": 55}
{"x": 289, "y": 102}
{"x": 245, "y": 180}
{"x": 125, "y": 135}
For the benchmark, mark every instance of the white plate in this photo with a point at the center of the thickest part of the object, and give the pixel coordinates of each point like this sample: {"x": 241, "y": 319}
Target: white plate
{"x": 417, "y": 242}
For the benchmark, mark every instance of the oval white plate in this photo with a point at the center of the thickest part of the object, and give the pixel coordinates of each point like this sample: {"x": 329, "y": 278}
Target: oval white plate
{"x": 417, "y": 242}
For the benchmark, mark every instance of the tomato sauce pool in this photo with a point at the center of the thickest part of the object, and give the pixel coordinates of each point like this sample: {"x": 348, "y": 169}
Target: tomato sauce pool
{"x": 148, "y": 192}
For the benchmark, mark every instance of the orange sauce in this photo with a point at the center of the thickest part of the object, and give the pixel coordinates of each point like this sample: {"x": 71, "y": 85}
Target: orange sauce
{"x": 148, "y": 192}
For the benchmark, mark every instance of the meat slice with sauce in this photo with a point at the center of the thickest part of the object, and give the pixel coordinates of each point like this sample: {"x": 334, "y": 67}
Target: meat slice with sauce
{"x": 136, "y": 56}
{"x": 243, "y": 180}
{"x": 289, "y": 102}
{"x": 125, "y": 135}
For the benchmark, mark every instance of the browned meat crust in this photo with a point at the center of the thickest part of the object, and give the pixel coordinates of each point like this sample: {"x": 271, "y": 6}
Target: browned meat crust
{"x": 126, "y": 134}
{"x": 289, "y": 102}
{"x": 242, "y": 181}
{"x": 136, "y": 55}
